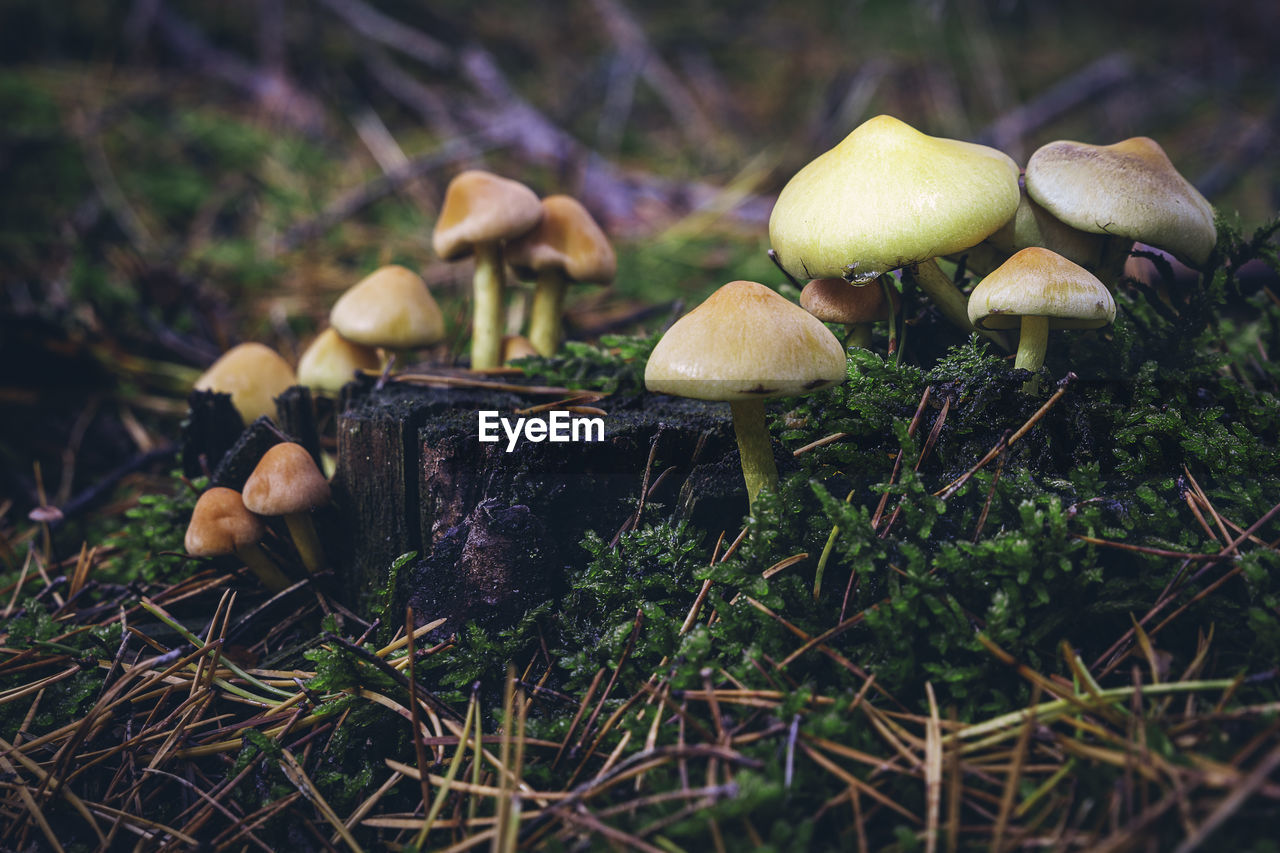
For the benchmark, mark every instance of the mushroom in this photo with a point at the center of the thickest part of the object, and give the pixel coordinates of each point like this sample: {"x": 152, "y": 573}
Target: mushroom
{"x": 287, "y": 482}
{"x": 1128, "y": 190}
{"x": 480, "y": 211}
{"x": 1034, "y": 291}
{"x": 888, "y": 196}
{"x": 254, "y": 375}
{"x": 857, "y": 307}
{"x": 744, "y": 344}
{"x": 391, "y": 308}
{"x": 332, "y": 361}
{"x": 221, "y": 524}
{"x": 1033, "y": 225}
{"x": 516, "y": 347}
{"x": 566, "y": 246}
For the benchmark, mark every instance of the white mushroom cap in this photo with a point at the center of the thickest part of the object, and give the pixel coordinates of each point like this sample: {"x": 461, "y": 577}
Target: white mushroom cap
{"x": 1129, "y": 189}
{"x": 1036, "y": 282}
{"x": 745, "y": 342}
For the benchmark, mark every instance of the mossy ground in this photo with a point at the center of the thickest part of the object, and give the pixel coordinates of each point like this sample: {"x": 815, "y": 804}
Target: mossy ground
{"x": 143, "y": 694}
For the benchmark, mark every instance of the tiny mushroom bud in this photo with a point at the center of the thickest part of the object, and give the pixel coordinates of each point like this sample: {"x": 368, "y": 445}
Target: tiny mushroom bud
{"x": 332, "y": 361}
{"x": 744, "y": 344}
{"x": 287, "y": 482}
{"x": 857, "y": 307}
{"x": 566, "y": 246}
{"x": 1037, "y": 290}
{"x": 481, "y": 211}
{"x": 254, "y": 375}
{"x": 1128, "y": 190}
{"x": 221, "y": 525}
{"x": 390, "y": 308}
{"x": 516, "y": 347}
{"x": 888, "y": 196}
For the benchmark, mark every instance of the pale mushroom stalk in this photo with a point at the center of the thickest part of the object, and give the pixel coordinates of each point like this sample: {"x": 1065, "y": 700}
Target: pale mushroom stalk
{"x": 1033, "y": 342}
{"x": 545, "y": 328}
{"x": 858, "y": 335}
{"x": 488, "y": 287}
{"x": 953, "y": 304}
{"x": 262, "y": 567}
{"x": 303, "y": 531}
{"x": 886, "y": 284}
{"x": 754, "y": 447}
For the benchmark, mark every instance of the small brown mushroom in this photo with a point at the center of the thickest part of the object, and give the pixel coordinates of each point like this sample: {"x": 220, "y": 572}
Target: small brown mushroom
{"x": 287, "y": 482}
{"x": 221, "y": 524}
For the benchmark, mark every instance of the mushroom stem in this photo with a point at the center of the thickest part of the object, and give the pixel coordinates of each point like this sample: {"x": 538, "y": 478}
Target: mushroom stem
{"x": 262, "y": 567}
{"x": 886, "y": 284}
{"x": 953, "y": 304}
{"x": 758, "y": 468}
{"x": 303, "y": 532}
{"x": 1033, "y": 340}
{"x": 858, "y": 335}
{"x": 487, "y": 308}
{"x": 545, "y": 312}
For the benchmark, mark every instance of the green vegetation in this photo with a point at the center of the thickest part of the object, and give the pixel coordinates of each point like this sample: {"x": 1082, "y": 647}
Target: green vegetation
{"x": 869, "y": 651}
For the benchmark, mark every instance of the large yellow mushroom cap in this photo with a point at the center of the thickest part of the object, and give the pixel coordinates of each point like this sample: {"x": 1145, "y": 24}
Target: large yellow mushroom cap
{"x": 1129, "y": 189}
{"x": 254, "y": 375}
{"x": 481, "y": 207}
{"x": 888, "y": 196}
{"x": 1036, "y": 282}
{"x": 392, "y": 308}
{"x": 745, "y": 342}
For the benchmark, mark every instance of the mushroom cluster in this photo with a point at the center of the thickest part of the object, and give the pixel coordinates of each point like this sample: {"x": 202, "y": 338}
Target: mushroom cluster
{"x": 286, "y": 483}
{"x": 554, "y": 242}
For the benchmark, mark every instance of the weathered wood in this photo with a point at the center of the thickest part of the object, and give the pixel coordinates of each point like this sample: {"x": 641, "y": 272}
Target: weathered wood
{"x": 495, "y": 530}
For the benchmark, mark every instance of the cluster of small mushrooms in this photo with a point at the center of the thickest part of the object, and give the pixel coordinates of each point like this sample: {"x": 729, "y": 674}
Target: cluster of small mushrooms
{"x": 1048, "y": 244}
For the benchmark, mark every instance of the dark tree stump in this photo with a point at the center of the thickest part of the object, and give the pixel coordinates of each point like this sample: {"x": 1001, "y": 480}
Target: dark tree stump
{"x": 497, "y": 531}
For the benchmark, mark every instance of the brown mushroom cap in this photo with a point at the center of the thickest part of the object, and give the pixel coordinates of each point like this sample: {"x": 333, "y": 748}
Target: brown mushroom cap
{"x": 834, "y": 300}
{"x": 221, "y": 524}
{"x": 391, "y": 307}
{"x": 481, "y": 207}
{"x": 1036, "y": 282}
{"x": 286, "y": 480}
{"x": 745, "y": 342}
{"x": 566, "y": 239}
{"x": 254, "y": 375}
{"x": 1129, "y": 189}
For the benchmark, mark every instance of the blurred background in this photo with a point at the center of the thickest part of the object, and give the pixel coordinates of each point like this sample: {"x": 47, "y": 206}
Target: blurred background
{"x": 178, "y": 176}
